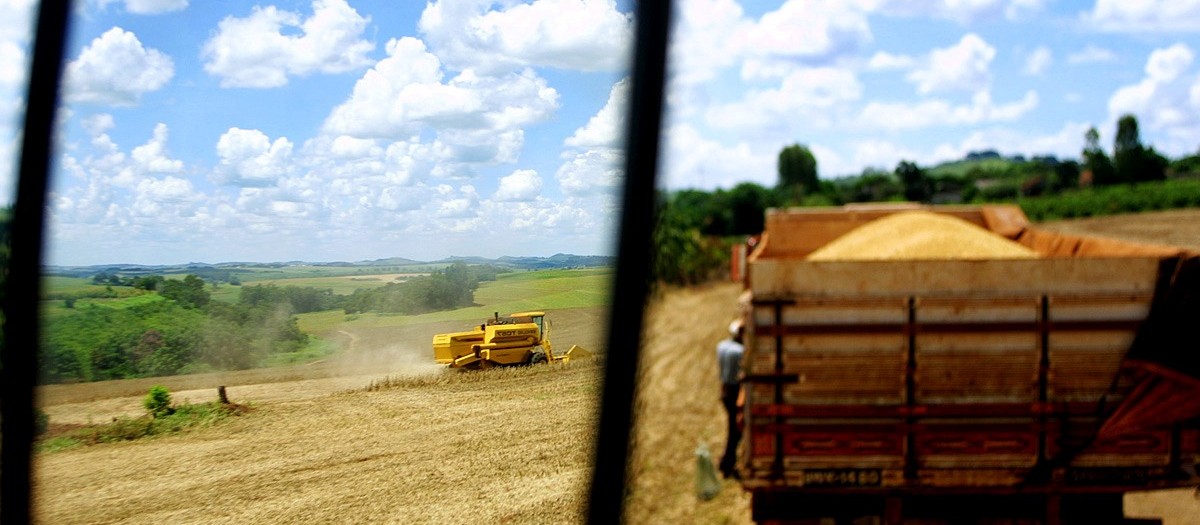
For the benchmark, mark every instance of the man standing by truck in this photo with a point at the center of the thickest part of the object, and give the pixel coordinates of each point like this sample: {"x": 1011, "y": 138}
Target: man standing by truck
{"x": 729, "y": 363}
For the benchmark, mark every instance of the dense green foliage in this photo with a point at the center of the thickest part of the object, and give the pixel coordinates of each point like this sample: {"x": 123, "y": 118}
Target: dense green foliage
{"x": 188, "y": 292}
{"x": 101, "y": 342}
{"x": 683, "y": 253}
{"x": 175, "y": 331}
{"x": 299, "y": 299}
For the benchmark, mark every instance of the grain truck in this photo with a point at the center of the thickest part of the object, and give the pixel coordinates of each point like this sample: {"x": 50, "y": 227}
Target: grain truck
{"x": 924, "y": 390}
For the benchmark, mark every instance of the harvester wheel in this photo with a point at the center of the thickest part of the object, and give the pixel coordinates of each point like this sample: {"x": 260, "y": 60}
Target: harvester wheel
{"x": 538, "y": 356}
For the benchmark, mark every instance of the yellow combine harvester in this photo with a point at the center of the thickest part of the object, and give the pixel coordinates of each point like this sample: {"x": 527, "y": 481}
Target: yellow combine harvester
{"x": 519, "y": 339}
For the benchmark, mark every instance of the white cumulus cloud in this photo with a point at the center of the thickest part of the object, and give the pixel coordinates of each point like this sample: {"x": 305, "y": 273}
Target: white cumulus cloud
{"x": 16, "y": 20}
{"x": 521, "y": 185}
{"x": 152, "y": 157}
{"x": 248, "y": 157}
{"x": 587, "y": 173}
{"x": 811, "y": 96}
{"x": 963, "y": 66}
{"x": 116, "y": 69}
{"x": 474, "y": 118}
{"x": 586, "y": 35}
{"x": 1124, "y": 16}
{"x": 172, "y": 195}
{"x": 929, "y": 113}
{"x": 593, "y": 161}
{"x": 961, "y": 11}
{"x": 711, "y": 35}
{"x": 829, "y": 28}
{"x": 266, "y": 48}
{"x": 112, "y": 194}
{"x": 606, "y": 128}
{"x": 882, "y": 60}
{"x": 702, "y": 39}
{"x": 1166, "y": 101}
{"x": 691, "y": 160}
{"x": 147, "y": 7}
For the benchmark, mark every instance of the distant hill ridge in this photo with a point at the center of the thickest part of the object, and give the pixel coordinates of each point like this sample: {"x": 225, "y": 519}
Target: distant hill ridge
{"x": 556, "y": 261}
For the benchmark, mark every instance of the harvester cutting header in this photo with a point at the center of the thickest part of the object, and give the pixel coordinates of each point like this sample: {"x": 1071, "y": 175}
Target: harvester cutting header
{"x": 519, "y": 339}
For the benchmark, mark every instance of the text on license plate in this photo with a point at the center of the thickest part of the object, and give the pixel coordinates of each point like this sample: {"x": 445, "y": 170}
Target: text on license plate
{"x": 842, "y": 477}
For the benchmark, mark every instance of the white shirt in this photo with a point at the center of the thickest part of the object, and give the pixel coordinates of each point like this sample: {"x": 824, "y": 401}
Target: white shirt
{"x": 729, "y": 360}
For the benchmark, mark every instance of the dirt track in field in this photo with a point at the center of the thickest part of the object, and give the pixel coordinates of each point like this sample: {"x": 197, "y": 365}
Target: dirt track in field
{"x": 509, "y": 447}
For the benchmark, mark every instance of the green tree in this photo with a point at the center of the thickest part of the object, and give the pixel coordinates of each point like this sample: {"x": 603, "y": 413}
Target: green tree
{"x": 1135, "y": 162}
{"x": 797, "y": 169}
{"x": 748, "y": 203}
{"x": 148, "y": 282}
{"x": 188, "y": 292}
{"x": 916, "y": 183}
{"x": 1094, "y": 159}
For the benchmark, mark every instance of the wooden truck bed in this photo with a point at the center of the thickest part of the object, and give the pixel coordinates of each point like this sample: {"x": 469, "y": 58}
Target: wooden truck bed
{"x": 936, "y": 376}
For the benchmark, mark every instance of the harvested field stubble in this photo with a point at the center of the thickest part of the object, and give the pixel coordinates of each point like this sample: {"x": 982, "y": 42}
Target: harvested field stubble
{"x": 513, "y": 447}
{"x": 920, "y": 235}
{"x": 678, "y": 407}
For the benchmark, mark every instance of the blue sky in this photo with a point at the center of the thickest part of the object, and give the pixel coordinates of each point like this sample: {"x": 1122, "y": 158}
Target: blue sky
{"x": 350, "y": 130}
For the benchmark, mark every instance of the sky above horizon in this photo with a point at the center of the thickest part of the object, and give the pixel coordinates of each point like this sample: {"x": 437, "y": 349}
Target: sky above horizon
{"x": 351, "y": 130}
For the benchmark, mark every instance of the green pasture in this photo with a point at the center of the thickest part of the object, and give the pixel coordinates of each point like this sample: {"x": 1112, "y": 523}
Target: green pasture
{"x": 80, "y": 287}
{"x": 292, "y": 274}
{"x": 226, "y": 293}
{"x": 340, "y": 284}
{"x": 512, "y": 292}
{"x": 53, "y": 308}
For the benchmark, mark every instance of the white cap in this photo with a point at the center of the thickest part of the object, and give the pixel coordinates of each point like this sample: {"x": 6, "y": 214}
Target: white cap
{"x": 735, "y": 327}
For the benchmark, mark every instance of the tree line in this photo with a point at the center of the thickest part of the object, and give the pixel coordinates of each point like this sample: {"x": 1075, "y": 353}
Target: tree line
{"x": 696, "y": 228}
{"x": 445, "y": 289}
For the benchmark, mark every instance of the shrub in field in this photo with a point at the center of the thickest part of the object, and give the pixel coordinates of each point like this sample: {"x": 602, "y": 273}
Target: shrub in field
{"x": 158, "y": 402}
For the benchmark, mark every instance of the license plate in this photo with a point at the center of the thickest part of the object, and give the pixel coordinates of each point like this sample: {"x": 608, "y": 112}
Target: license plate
{"x": 842, "y": 477}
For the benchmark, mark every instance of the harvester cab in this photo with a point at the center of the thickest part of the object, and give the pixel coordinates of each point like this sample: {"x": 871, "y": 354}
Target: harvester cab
{"x": 518, "y": 339}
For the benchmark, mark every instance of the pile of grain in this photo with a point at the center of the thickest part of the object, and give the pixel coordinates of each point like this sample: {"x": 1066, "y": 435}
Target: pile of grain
{"x": 920, "y": 235}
